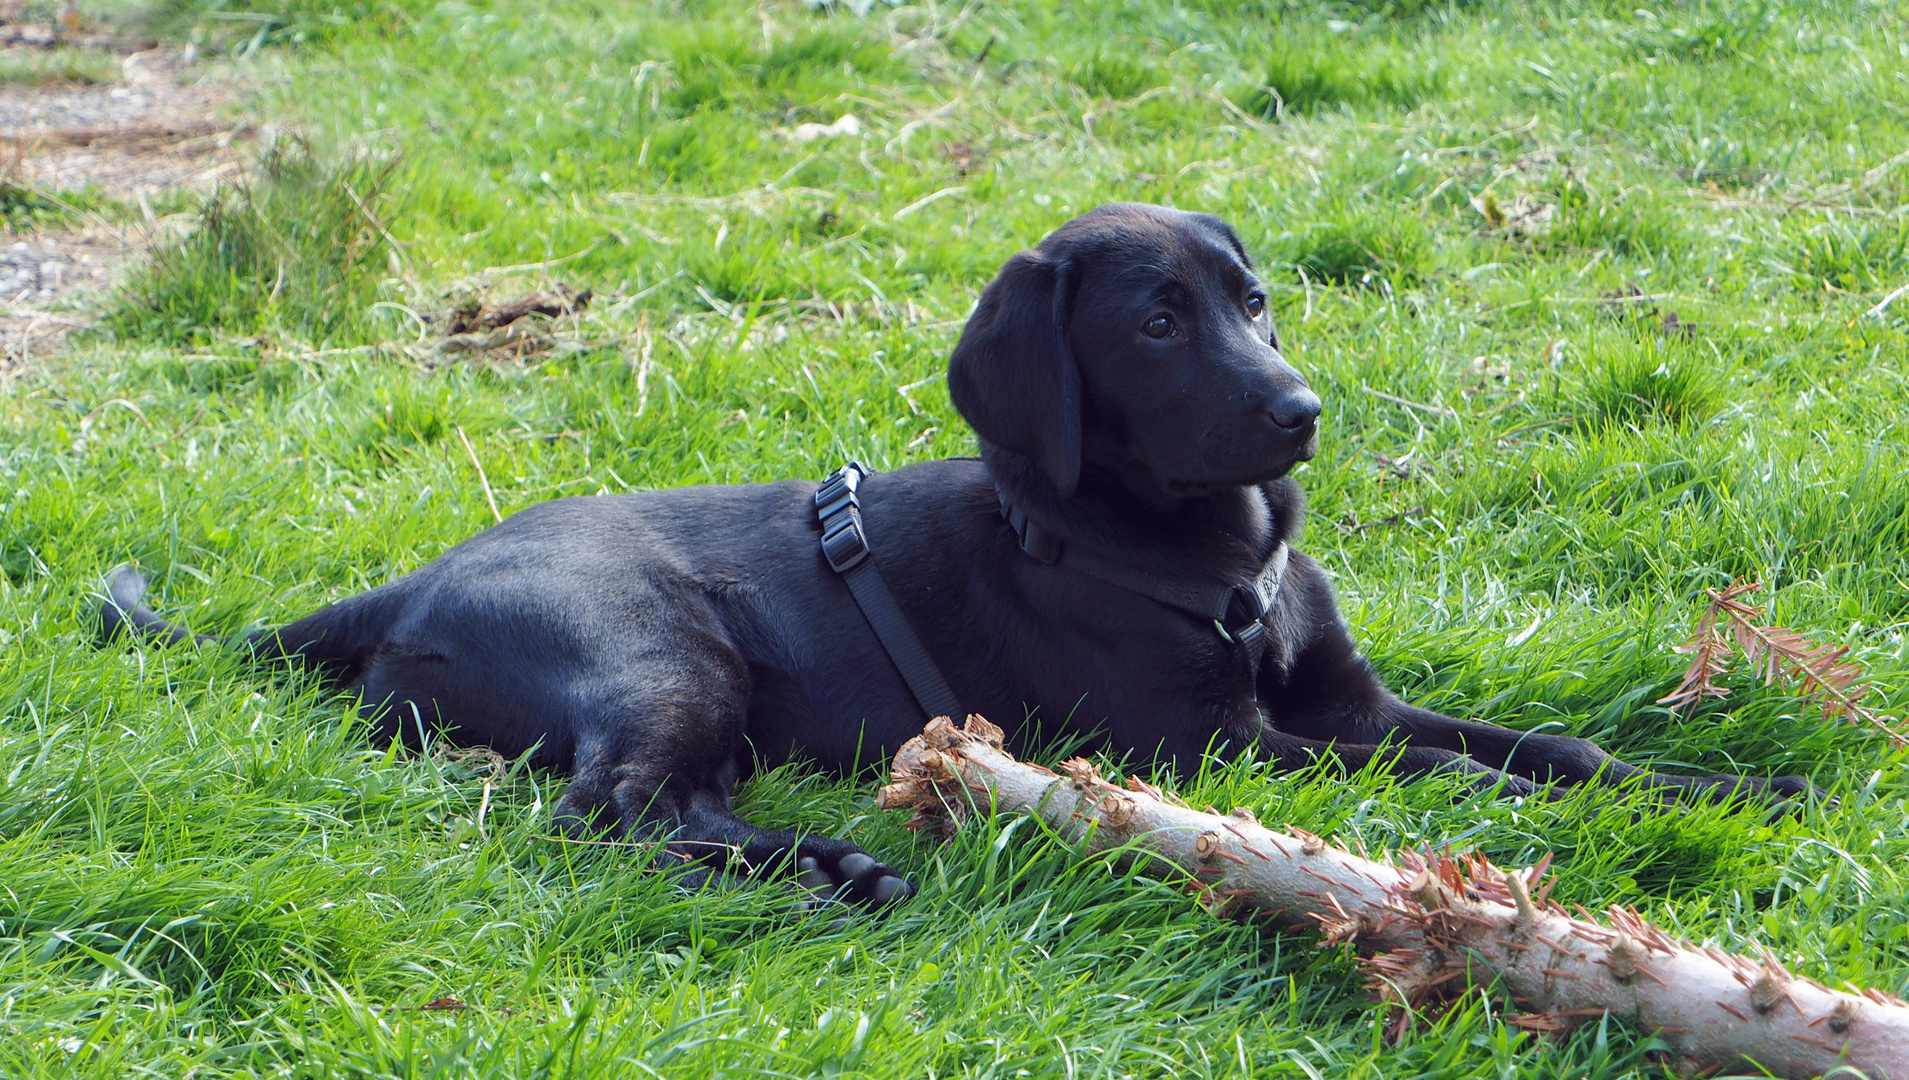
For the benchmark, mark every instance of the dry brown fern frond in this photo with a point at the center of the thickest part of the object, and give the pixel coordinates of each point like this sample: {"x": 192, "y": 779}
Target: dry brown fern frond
{"x": 1824, "y": 674}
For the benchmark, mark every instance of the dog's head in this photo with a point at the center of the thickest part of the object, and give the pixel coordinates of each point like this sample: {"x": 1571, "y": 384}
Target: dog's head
{"x": 1138, "y": 340}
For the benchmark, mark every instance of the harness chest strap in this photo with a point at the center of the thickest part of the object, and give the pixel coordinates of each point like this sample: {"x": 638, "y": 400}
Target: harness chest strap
{"x": 845, "y": 546}
{"x": 1238, "y": 612}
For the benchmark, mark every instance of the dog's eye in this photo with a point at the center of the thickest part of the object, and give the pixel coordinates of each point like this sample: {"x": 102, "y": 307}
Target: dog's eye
{"x": 1158, "y": 327}
{"x": 1255, "y": 306}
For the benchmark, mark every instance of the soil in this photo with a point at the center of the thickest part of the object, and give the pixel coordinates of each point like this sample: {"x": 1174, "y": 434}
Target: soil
{"x": 161, "y": 126}
{"x": 165, "y": 124}
{"x": 43, "y": 279}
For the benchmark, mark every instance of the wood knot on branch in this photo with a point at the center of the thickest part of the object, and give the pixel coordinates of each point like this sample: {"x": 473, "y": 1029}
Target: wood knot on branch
{"x": 1521, "y": 897}
{"x": 1207, "y": 846}
{"x": 1625, "y": 959}
{"x": 1424, "y": 890}
{"x": 941, "y": 734}
{"x": 1117, "y": 810}
{"x": 1771, "y": 987}
{"x": 1084, "y": 775}
{"x": 1843, "y": 1016}
{"x": 934, "y": 766}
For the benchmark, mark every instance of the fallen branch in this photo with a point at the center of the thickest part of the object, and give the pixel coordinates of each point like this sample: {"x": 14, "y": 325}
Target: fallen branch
{"x": 1430, "y": 926}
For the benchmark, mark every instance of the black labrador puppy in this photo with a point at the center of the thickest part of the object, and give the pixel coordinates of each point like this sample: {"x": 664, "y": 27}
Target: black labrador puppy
{"x": 1115, "y": 562}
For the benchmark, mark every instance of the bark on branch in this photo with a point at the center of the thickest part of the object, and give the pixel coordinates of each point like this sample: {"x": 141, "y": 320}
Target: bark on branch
{"x": 1428, "y": 926}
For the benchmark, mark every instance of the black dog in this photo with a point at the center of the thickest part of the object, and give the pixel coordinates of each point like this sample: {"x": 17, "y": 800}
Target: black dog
{"x": 1136, "y": 420}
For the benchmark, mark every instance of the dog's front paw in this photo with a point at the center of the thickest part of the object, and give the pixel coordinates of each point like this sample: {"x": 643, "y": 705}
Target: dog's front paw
{"x": 1785, "y": 795}
{"x": 849, "y": 873}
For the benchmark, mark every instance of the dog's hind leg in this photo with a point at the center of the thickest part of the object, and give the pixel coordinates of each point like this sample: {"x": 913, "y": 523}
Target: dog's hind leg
{"x": 638, "y": 781}
{"x": 660, "y": 745}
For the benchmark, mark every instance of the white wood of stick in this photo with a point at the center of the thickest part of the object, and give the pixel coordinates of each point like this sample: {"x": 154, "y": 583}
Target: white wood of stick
{"x": 1431, "y": 926}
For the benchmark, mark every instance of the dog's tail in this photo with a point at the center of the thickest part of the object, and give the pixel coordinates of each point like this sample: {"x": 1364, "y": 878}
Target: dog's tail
{"x": 336, "y": 640}
{"x": 124, "y": 611}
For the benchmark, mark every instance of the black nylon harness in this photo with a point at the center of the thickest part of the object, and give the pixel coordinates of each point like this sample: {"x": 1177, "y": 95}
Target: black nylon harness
{"x": 1239, "y": 612}
{"x": 845, "y": 546}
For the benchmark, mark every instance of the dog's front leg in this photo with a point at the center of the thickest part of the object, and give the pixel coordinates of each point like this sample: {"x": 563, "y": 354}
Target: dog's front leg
{"x": 1563, "y": 759}
{"x": 1331, "y": 694}
{"x": 1288, "y": 752}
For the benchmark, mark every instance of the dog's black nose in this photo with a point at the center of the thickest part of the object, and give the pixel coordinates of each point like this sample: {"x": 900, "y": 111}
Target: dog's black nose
{"x": 1295, "y": 409}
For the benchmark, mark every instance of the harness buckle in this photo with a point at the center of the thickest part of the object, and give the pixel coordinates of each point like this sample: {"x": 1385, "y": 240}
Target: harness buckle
{"x": 1248, "y": 602}
{"x": 845, "y": 545}
{"x": 1251, "y": 637}
{"x": 839, "y": 490}
{"x": 1249, "y": 607}
{"x": 839, "y": 506}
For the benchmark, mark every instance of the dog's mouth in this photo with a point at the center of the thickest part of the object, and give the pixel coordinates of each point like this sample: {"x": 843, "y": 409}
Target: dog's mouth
{"x": 1309, "y": 449}
{"x": 1222, "y": 471}
{"x": 1213, "y": 485}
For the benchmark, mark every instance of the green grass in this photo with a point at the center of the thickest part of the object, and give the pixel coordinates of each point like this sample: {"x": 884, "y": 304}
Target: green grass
{"x": 210, "y": 870}
{"x": 57, "y": 67}
{"x": 1308, "y": 73}
{"x": 299, "y": 247}
{"x": 24, "y": 207}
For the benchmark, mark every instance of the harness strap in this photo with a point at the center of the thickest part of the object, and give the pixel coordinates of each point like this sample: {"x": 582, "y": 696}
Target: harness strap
{"x": 845, "y": 546}
{"x": 1238, "y": 612}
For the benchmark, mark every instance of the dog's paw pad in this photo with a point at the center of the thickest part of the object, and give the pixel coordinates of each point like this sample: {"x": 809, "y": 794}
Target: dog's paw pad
{"x": 855, "y": 876}
{"x": 810, "y": 875}
{"x": 889, "y": 887}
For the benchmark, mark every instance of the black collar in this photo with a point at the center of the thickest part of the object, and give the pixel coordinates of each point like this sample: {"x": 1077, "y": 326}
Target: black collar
{"x": 1240, "y": 611}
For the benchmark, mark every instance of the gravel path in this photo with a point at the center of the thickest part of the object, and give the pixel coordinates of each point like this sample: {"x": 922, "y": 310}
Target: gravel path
{"x": 163, "y": 125}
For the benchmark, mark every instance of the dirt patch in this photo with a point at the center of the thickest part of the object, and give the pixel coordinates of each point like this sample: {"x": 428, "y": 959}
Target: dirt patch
{"x": 513, "y": 329}
{"x": 38, "y": 268}
{"x": 161, "y": 124}
{"x": 69, "y": 28}
{"x": 41, "y": 275}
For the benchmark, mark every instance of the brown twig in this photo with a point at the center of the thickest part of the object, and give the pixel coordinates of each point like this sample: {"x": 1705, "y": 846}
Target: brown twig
{"x": 1824, "y": 673}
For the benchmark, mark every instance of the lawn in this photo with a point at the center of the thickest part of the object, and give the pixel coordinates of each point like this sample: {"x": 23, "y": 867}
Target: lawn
{"x": 1594, "y": 296}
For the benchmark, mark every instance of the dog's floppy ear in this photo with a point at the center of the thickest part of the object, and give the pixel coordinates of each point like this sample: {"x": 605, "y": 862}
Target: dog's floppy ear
{"x": 1012, "y": 374}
